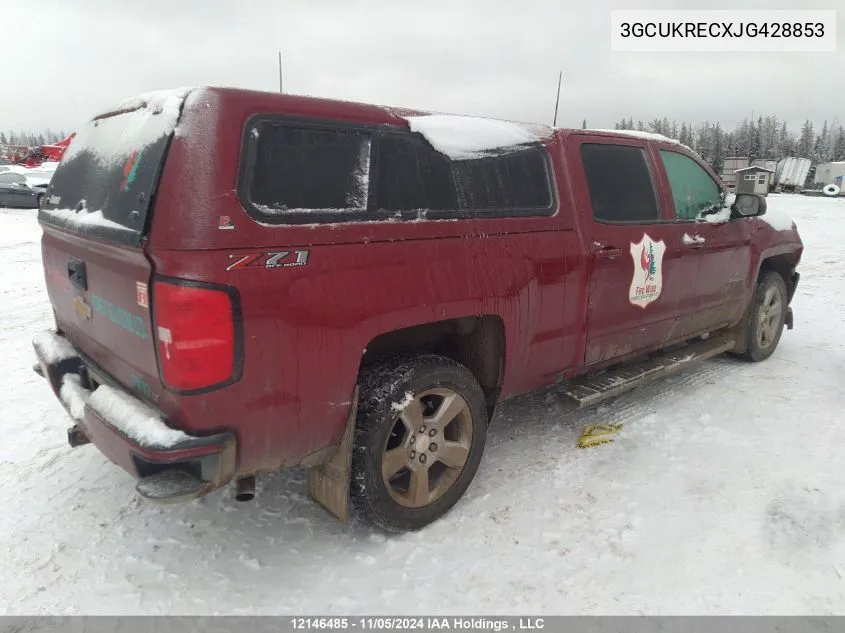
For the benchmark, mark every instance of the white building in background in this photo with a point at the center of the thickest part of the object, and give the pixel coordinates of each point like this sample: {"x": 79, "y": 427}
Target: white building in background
{"x": 830, "y": 174}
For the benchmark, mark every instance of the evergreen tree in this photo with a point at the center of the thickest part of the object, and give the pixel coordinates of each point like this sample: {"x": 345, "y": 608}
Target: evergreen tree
{"x": 785, "y": 145}
{"x": 806, "y": 141}
{"x": 584, "y": 124}
{"x": 839, "y": 146}
{"x": 742, "y": 146}
{"x": 3, "y": 140}
{"x": 704, "y": 142}
{"x": 718, "y": 149}
{"x": 820, "y": 151}
{"x": 684, "y": 136}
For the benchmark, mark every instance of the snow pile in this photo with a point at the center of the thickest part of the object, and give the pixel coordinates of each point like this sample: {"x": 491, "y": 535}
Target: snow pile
{"x": 720, "y": 217}
{"x": 465, "y": 137}
{"x": 52, "y": 348}
{"x": 778, "y": 219}
{"x": 692, "y": 239}
{"x": 69, "y": 218}
{"x": 15, "y": 169}
{"x": 74, "y": 396}
{"x": 142, "y": 121}
{"x": 42, "y": 174}
{"x": 133, "y": 418}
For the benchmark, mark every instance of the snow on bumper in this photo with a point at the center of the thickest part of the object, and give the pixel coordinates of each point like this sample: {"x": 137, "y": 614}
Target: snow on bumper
{"x": 129, "y": 432}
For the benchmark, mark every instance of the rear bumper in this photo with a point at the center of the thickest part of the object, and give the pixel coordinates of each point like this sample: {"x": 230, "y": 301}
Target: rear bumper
{"x": 132, "y": 434}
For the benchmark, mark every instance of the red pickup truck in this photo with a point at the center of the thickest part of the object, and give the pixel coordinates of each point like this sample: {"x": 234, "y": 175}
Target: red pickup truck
{"x": 247, "y": 281}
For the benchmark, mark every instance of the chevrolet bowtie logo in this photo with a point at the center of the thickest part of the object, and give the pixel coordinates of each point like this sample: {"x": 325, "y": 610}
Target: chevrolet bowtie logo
{"x": 82, "y": 308}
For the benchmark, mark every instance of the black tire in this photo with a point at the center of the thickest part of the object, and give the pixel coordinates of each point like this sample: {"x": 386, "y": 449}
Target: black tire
{"x": 759, "y": 344}
{"x": 383, "y": 391}
{"x": 38, "y": 200}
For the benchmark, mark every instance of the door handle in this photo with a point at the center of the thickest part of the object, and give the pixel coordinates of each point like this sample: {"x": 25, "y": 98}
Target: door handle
{"x": 607, "y": 251}
{"x": 76, "y": 273}
{"x": 693, "y": 241}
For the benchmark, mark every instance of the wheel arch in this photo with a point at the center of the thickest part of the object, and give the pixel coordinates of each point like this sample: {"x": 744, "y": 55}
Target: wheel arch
{"x": 477, "y": 342}
{"x": 782, "y": 261}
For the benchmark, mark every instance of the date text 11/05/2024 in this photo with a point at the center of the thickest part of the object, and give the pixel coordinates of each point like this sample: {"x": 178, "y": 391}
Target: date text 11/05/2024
{"x": 418, "y": 624}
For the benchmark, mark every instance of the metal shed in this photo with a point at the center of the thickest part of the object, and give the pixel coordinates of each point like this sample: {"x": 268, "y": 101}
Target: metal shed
{"x": 754, "y": 179}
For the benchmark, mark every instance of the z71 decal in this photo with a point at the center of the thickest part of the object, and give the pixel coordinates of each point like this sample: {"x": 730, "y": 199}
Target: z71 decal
{"x": 276, "y": 259}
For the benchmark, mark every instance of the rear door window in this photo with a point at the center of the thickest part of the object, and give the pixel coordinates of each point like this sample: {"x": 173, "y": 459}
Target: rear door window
{"x": 620, "y": 183}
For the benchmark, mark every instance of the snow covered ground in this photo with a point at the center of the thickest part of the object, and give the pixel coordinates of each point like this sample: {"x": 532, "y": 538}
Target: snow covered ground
{"x": 724, "y": 493}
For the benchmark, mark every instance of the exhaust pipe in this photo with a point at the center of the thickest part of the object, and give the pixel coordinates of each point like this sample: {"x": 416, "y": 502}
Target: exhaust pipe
{"x": 245, "y": 489}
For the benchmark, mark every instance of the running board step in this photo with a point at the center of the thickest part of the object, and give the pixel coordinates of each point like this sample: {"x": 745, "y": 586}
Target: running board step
{"x": 589, "y": 391}
{"x": 172, "y": 486}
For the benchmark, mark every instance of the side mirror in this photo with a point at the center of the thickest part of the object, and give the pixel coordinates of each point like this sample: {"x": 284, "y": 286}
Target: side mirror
{"x": 748, "y": 205}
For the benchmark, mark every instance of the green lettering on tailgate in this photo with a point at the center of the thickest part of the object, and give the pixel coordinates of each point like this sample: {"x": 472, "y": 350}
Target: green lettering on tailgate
{"x": 120, "y": 316}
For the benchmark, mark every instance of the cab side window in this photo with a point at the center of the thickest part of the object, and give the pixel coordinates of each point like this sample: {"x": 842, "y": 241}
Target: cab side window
{"x": 694, "y": 191}
{"x": 620, "y": 184}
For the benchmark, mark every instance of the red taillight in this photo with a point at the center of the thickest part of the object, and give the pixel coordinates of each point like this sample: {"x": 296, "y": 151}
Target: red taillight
{"x": 195, "y": 331}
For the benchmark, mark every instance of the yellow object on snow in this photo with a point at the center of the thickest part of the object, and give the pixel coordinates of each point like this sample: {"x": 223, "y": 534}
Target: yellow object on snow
{"x": 595, "y": 434}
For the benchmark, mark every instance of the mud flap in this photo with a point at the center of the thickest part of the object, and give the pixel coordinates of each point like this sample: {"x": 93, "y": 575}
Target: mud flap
{"x": 328, "y": 483}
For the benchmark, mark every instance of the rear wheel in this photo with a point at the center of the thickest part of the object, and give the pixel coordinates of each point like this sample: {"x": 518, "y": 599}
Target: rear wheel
{"x": 419, "y": 438}
{"x": 766, "y": 317}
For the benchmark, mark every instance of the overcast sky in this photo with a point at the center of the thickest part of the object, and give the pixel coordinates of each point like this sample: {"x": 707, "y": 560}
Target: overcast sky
{"x": 68, "y": 59}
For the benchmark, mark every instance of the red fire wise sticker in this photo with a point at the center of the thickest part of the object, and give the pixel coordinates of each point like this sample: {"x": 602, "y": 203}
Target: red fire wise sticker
{"x": 647, "y": 280}
{"x": 142, "y": 295}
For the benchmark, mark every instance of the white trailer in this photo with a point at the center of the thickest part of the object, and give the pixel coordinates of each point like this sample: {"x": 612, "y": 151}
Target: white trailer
{"x": 791, "y": 173}
{"x": 830, "y": 174}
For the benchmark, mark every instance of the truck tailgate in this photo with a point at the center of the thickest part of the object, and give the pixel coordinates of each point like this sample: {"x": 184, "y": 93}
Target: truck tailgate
{"x": 100, "y": 297}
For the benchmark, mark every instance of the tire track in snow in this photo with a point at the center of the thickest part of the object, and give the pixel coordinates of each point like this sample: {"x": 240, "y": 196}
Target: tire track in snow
{"x": 526, "y": 415}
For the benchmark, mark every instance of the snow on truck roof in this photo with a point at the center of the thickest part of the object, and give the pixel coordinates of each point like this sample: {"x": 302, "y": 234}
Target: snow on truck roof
{"x": 457, "y": 136}
{"x": 462, "y": 137}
